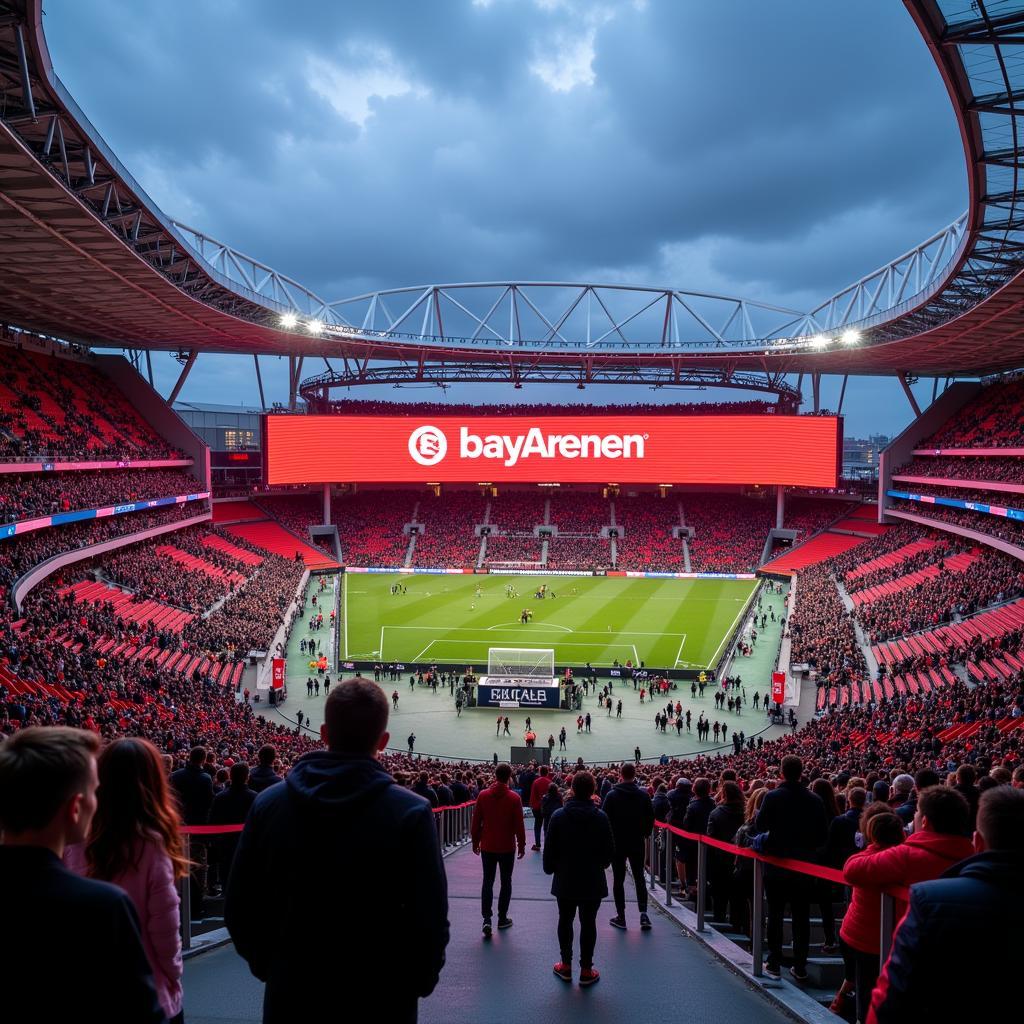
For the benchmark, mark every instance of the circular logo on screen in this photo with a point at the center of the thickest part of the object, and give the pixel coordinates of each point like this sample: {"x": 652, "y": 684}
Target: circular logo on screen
{"x": 428, "y": 445}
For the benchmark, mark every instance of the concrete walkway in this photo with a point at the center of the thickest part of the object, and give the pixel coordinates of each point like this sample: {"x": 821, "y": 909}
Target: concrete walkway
{"x": 663, "y": 974}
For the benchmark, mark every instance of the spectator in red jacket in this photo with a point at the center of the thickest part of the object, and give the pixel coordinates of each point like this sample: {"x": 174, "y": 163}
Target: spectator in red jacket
{"x": 937, "y": 843}
{"x": 540, "y": 786}
{"x": 860, "y": 933}
{"x": 976, "y": 905}
{"x": 497, "y": 830}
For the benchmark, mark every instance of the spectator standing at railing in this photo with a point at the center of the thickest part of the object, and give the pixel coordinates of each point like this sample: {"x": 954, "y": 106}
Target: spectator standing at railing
{"x": 338, "y": 806}
{"x": 497, "y": 830}
{"x": 536, "y": 797}
{"x": 938, "y": 841}
{"x": 977, "y": 904}
{"x": 860, "y": 933}
{"x": 791, "y": 824}
{"x": 723, "y": 824}
{"x": 231, "y": 807}
{"x": 48, "y": 784}
{"x": 135, "y": 843}
{"x": 631, "y": 813}
{"x": 194, "y": 789}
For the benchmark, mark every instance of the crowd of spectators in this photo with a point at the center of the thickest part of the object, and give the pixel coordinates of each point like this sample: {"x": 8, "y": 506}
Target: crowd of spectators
{"x": 448, "y": 538}
{"x": 646, "y": 539}
{"x": 730, "y": 531}
{"x": 18, "y": 554}
{"x": 1011, "y": 530}
{"x": 580, "y": 512}
{"x": 823, "y": 634}
{"x": 370, "y": 526}
{"x": 513, "y": 547}
{"x": 1004, "y": 469}
{"x": 992, "y": 419}
{"x": 360, "y": 407}
{"x": 994, "y": 577}
{"x": 29, "y": 495}
{"x": 154, "y": 575}
{"x": 945, "y": 547}
{"x": 63, "y": 409}
{"x": 573, "y": 551}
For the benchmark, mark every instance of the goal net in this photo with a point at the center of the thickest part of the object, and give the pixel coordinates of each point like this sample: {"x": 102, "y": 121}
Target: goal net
{"x": 521, "y": 663}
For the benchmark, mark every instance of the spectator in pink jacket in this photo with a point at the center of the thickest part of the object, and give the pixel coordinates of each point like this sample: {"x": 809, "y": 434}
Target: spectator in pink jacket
{"x": 135, "y": 843}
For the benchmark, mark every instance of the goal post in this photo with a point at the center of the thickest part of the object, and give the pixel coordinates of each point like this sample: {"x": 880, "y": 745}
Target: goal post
{"x": 519, "y": 677}
{"x": 521, "y": 663}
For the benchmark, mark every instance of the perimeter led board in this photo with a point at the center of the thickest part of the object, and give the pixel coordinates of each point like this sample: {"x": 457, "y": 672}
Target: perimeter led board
{"x": 796, "y": 450}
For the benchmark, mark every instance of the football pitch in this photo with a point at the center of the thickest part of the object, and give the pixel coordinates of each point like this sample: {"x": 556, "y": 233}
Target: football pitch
{"x": 682, "y": 624}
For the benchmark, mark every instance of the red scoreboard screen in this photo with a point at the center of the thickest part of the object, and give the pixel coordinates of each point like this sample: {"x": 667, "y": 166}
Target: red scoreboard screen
{"x": 801, "y": 451}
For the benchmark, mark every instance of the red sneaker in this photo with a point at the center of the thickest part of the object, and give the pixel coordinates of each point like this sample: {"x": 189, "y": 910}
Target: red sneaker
{"x": 564, "y": 971}
{"x": 588, "y": 976}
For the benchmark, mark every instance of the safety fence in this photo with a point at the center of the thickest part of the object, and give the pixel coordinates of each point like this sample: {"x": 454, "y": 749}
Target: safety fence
{"x": 660, "y": 861}
{"x": 453, "y": 825}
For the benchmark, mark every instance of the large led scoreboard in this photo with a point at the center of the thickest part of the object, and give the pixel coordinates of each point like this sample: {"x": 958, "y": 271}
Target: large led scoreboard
{"x": 799, "y": 451}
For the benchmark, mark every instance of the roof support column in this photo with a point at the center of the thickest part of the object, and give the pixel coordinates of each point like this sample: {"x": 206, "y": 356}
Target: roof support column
{"x": 935, "y": 389}
{"x": 327, "y": 504}
{"x": 259, "y": 381}
{"x": 185, "y": 370}
{"x": 816, "y": 389}
{"x": 780, "y": 506}
{"x": 149, "y": 367}
{"x": 294, "y": 373}
{"x": 842, "y": 394}
{"x": 902, "y": 378}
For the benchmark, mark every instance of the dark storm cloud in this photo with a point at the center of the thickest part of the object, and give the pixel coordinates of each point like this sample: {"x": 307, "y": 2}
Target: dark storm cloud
{"x": 777, "y": 150}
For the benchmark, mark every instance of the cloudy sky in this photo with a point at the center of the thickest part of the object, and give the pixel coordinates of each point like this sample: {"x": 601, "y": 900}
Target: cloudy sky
{"x": 776, "y": 151}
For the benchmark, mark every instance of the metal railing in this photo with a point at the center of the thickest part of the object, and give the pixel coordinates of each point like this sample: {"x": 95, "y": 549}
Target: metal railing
{"x": 453, "y": 828}
{"x": 660, "y": 861}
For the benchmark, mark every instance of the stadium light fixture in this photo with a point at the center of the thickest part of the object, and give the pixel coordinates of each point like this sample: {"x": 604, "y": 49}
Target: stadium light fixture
{"x": 314, "y": 326}
{"x": 819, "y": 341}
{"x": 289, "y": 321}
{"x": 851, "y": 337}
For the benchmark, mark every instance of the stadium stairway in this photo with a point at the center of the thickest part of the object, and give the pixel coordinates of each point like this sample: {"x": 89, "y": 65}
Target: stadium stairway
{"x": 817, "y": 549}
{"x": 237, "y": 512}
{"x": 276, "y": 539}
{"x": 509, "y": 978}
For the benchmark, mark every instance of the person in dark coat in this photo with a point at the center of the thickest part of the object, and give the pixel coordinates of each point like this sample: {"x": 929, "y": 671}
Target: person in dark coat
{"x": 48, "y": 784}
{"x": 678, "y": 800}
{"x": 423, "y": 788}
{"x": 339, "y": 807}
{"x": 698, "y": 810}
{"x": 551, "y": 802}
{"x": 578, "y": 849}
{"x": 231, "y": 807}
{"x": 194, "y": 789}
{"x": 965, "y": 778}
{"x": 791, "y": 823}
{"x": 723, "y": 824}
{"x": 263, "y": 775}
{"x": 977, "y": 904}
{"x": 631, "y": 814}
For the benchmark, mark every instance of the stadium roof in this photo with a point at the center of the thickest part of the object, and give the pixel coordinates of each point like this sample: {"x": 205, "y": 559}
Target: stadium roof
{"x": 88, "y": 256}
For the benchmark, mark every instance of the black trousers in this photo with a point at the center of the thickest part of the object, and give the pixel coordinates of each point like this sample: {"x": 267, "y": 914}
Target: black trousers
{"x": 798, "y": 891}
{"x": 635, "y": 859}
{"x": 500, "y": 862}
{"x": 538, "y": 824}
{"x": 567, "y": 910}
{"x": 861, "y": 969}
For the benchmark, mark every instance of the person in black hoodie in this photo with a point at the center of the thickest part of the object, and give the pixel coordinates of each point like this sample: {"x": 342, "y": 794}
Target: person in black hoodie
{"x": 723, "y": 824}
{"x": 631, "y": 814}
{"x": 48, "y": 784}
{"x": 678, "y": 801}
{"x": 230, "y": 807}
{"x": 976, "y": 905}
{"x": 340, "y": 807}
{"x": 578, "y": 849}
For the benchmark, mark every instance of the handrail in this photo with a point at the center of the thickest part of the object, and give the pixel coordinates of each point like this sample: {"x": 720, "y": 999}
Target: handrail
{"x": 452, "y": 822}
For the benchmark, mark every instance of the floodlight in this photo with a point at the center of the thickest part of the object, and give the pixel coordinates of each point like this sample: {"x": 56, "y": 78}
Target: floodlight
{"x": 289, "y": 321}
{"x": 819, "y": 341}
{"x": 851, "y": 337}
{"x": 314, "y": 326}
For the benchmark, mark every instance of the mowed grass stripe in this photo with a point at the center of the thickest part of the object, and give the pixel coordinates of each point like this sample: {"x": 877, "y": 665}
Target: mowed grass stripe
{"x": 607, "y": 617}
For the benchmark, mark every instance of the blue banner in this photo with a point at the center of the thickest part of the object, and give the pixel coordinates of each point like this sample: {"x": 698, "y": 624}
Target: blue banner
{"x": 1002, "y": 511}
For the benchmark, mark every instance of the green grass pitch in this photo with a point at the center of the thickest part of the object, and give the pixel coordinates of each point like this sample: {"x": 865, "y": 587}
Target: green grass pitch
{"x": 664, "y": 623}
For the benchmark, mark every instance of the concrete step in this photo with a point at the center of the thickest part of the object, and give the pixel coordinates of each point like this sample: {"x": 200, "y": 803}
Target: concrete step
{"x": 826, "y": 972}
